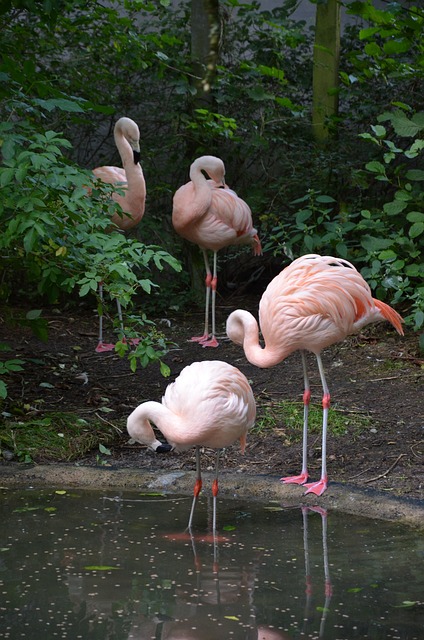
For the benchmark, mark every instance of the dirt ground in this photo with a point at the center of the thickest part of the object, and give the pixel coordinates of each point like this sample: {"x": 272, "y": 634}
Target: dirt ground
{"x": 377, "y": 374}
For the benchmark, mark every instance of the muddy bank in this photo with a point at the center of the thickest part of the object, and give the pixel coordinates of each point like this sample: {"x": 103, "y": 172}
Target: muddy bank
{"x": 338, "y": 497}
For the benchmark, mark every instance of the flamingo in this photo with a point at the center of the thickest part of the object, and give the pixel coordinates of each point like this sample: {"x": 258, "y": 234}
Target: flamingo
{"x": 313, "y": 303}
{"x": 210, "y": 404}
{"x": 129, "y": 179}
{"x": 212, "y": 216}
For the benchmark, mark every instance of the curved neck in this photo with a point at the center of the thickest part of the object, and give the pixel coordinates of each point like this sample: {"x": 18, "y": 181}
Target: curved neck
{"x": 246, "y": 332}
{"x": 138, "y": 423}
{"x": 196, "y": 175}
{"x": 135, "y": 190}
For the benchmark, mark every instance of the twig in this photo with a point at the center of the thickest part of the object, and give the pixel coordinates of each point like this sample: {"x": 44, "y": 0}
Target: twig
{"x": 417, "y": 455}
{"x": 109, "y": 423}
{"x": 383, "y": 475}
{"x": 361, "y": 473}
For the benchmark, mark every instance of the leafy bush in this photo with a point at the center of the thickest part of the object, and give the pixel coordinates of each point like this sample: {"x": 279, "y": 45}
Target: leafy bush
{"x": 57, "y": 238}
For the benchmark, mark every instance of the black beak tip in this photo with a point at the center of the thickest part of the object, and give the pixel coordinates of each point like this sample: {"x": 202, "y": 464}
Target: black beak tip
{"x": 137, "y": 156}
{"x": 164, "y": 448}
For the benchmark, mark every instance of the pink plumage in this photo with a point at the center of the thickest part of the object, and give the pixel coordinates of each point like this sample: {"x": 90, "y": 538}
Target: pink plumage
{"x": 130, "y": 178}
{"x": 313, "y": 303}
{"x": 209, "y": 214}
{"x": 210, "y": 404}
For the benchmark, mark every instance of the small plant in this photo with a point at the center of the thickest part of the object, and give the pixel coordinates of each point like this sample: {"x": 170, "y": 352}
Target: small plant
{"x": 7, "y": 367}
{"x": 101, "y": 462}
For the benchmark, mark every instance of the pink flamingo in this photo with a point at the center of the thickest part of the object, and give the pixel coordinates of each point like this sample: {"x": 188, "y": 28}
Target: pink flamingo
{"x": 210, "y": 404}
{"x": 313, "y": 303}
{"x": 212, "y": 216}
{"x": 130, "y": 180}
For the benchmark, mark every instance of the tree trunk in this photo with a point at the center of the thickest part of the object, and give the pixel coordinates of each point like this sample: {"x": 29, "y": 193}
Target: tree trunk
{"x": 325, "y": 67}
{"x": 205, "y": 36}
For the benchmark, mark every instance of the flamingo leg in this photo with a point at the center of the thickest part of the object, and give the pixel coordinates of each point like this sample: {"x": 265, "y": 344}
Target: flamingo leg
{"x": 132, "y": 341}
{"x": 197, "y": 487}
{"x": 102, "y": 346}
{"x": 208, "y": 281}
{"x": 215, "y": 491}
{"x": 212, "y": 341}
{"x": 303, "y": 477}
{"x": 319, "y": 487}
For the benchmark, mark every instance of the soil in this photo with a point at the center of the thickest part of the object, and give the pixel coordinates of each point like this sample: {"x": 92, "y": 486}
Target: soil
{"x": 377, "y": 374}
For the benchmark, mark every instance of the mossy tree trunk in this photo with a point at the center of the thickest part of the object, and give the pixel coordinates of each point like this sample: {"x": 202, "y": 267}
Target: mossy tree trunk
{"x": 205, "y": 37}
{"x": 325, "y": 68}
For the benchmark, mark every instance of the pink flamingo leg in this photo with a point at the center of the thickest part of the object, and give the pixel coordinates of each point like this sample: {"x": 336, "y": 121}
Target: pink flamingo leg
{"x": 213, "y": 342}
{"x": 208, "y": 281}
{"x": 197, "y": 487}
{"x": 319, "y": 487}
{"x": 207, "y": 340}
{"x": 102, "y": 346}
{"x": 215, "y": 492}
{"x": 303, "y": 477}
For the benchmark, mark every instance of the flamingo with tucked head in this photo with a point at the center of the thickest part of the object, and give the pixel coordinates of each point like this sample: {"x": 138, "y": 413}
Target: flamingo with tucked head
{"x": 209, "y": 214}
{"x": 130, "y": 180}
{"x": 210, "y": 404}
{"x": 313, "y": 303}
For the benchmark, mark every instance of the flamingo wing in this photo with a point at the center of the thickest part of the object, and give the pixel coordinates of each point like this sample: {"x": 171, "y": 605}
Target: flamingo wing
{"x": 214, "y": 403}
{"x": 111, "y": 175}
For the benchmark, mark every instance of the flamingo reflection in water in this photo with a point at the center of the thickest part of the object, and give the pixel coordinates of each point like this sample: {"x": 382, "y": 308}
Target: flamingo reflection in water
{"x": 223, "y": 598}
{"x": 307, "y": 511}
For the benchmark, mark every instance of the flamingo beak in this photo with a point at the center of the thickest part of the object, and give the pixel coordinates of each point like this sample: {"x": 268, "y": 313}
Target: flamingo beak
{"x": 164, "y": 448}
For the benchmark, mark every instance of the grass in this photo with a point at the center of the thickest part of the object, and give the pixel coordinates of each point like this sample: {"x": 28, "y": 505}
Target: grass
{"x": 286, "y": 419}
{"x": 56, "y": 437}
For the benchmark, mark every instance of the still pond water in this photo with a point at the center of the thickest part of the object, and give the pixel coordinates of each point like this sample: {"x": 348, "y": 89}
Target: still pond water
{"x": 78, "y": 564}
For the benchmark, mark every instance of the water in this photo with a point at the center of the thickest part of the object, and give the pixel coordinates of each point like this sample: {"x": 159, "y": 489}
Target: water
{"x": 94, "y": 565}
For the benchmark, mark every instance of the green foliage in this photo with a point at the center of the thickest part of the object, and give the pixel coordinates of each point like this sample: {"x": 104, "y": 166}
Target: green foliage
{"x": 385, "y": 240}
{"x": 57, "y": 238}
{"x": 58, "y": 436}
{"x": 7, "y": 367}
{"x": 392, "y": 235}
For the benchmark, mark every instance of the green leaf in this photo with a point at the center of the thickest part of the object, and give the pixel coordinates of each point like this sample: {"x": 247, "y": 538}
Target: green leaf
{"x": 415, "y": 174}
{"x": 257, "y": 93}
{"x": 394, "y": 207}
{"x": 100, "y": 567}
{"x": 415, "y": 216}
{"x": 326, "y": 199}
{"x": 104, "y": 450}
{"x": 372, "y": 244}
{"x": 302, "y": 216}
{"x": 404, "y": 126}
{"x": 6, "y": 176}
{"x": 3, "y": 390}
{"x": 164, "y": 369}
{"x": 366, "y": 33}
{"x": 34, "y": 314}
{"x": 375, "y": 167}
{"x": 397, "y": 46}
{"x": 406, "y": 604}
{"x": 379, "y": 130}
{"x": 372, "y": 49}
{"x": 416, "y": 229}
